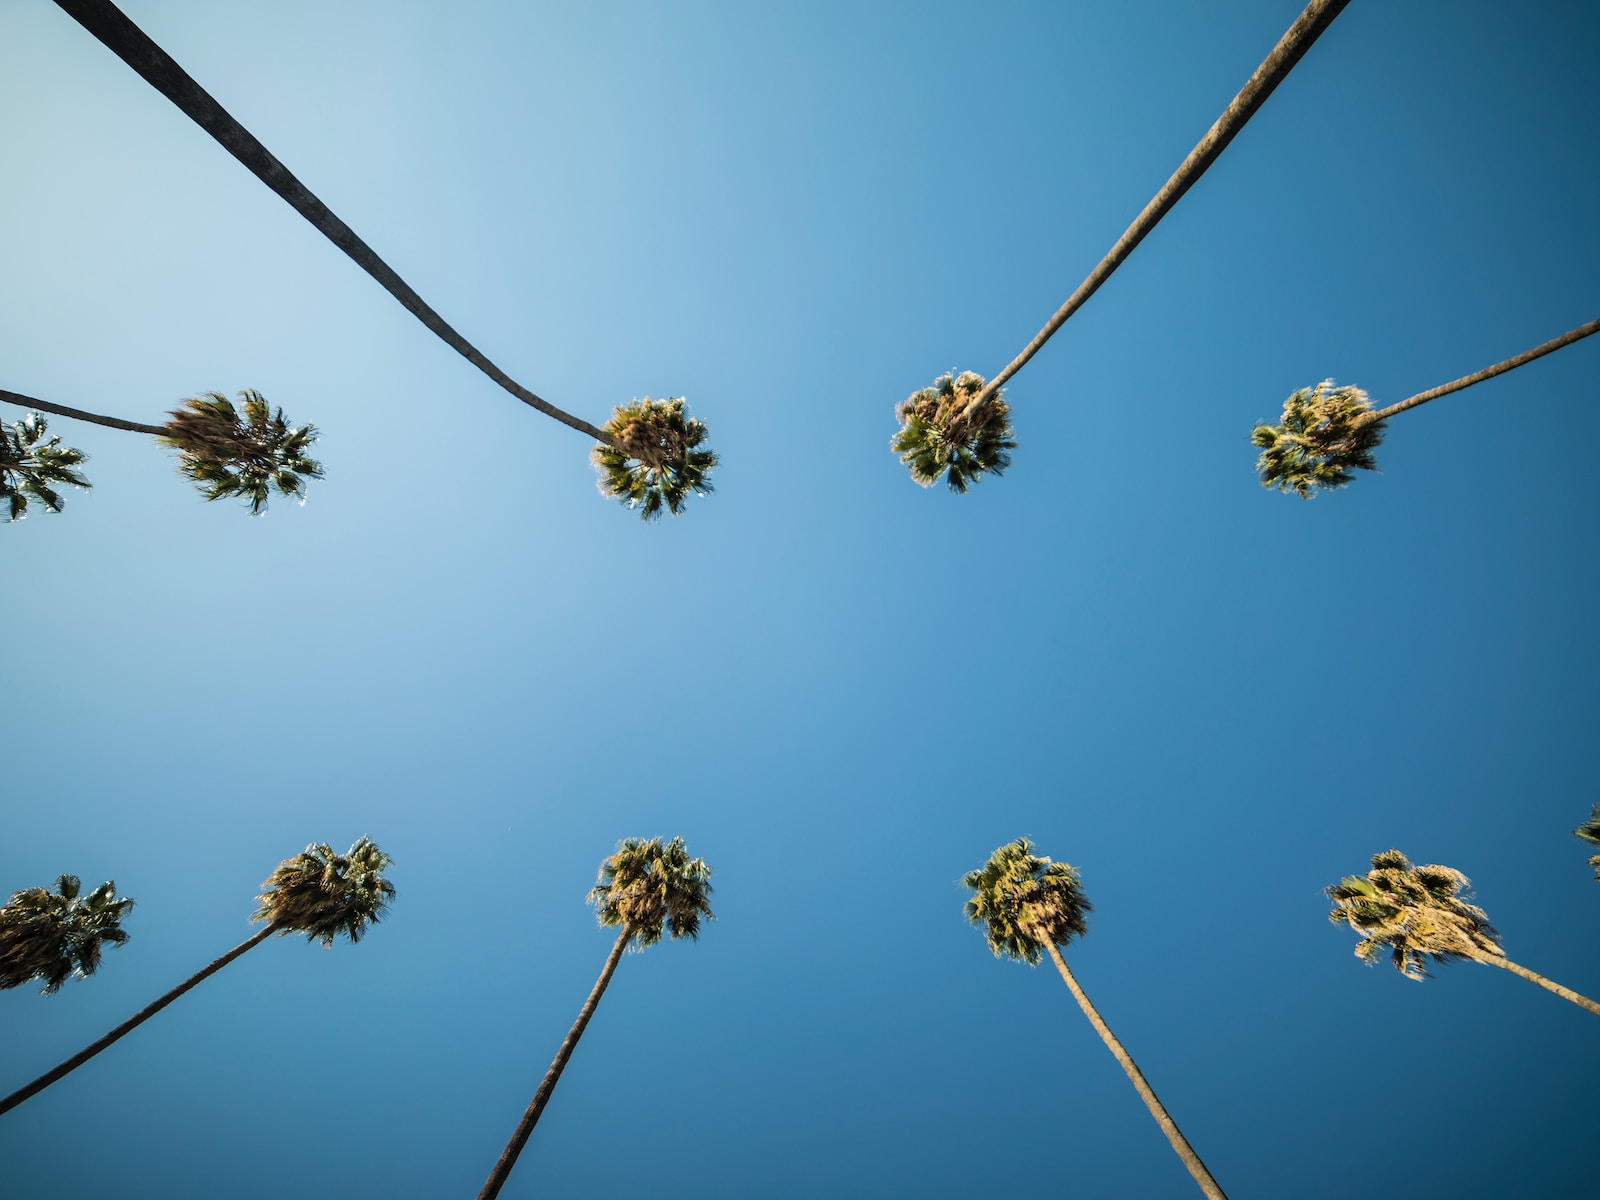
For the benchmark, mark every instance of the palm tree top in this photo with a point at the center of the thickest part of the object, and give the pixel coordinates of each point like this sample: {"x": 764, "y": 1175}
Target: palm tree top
{"x": 655, "y": 457}
{"x": 1023, "y": 900}
{"x": 322, "y": 894}
{"x": 53, "y": 936}
{"x": 249, "y": 455}
{"x": 1325, "y": 436}
{"x": 1417, "y": 912}
{"x": 649, "y": 887}
{"x": 1589, "y": 831}
{"x": 30, "y": 464}
{"x": 951, "y": 429}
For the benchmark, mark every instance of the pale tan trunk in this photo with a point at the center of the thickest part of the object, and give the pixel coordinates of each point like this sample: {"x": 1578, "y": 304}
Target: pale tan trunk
{"x": 1180, "y": 1144}
{"x": 1566, "y": 993}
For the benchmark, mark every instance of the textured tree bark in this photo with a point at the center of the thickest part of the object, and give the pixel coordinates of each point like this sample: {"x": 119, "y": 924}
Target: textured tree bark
{"x": 1180, "y": 1144}
{"x": 530, "y": 1118}
{"x": 157, "y": 68}
{"x": 1499, "y": 368}
{"x": 1565, "y": 993}
{"x": 1297, "y": 39}
{"x": 133, "y": 1022}
{"x": 78, "y": 414}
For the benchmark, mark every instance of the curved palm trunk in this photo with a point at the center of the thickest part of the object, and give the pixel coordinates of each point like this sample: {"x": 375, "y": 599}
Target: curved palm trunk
{"x": 519, "y": 1138}
{"x": 1566, "y": 993}
{"x": 1499, "y": 368}
{"x": 134, "y": 47}
{"x": 78, "y": 414}
{"x": 1180, "y": 1144}
{"x": 1297, "y": 39}
{"x": 138, "y": 1018}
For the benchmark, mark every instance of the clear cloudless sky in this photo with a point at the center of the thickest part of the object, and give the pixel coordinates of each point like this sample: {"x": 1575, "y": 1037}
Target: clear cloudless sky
{"x": 842, "y": 690}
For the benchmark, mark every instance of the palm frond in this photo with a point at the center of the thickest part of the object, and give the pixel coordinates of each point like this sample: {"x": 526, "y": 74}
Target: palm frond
{"x": 29, "y": 464}
{"x": 1589, "y": 831}
{"x": 1321, "y": 442}
{"x": 656, "y": 459}
{"x": 322, "y": 894}
{"x": 943, "y": 433}
{"x": 1023, "y": 900}
{"x": 650, "y": 887}
{"x": 1419, "y": 912}
{"x": 56, "y": 936}
{"x": 228, "y": 454}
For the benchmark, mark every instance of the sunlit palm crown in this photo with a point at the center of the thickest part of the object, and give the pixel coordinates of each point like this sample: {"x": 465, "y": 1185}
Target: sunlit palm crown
{"x": 650, "y": 887}
{"x": 229, "y": 455}
{"x": 322, "y": 894}
{"x": 941, "y": 434}
{"x": 1321, "y": 442}
{"x": 1417, "y": 912}
{"x": 29, "y": 465}
{"x": 1589, "y": 831}
{"x": 1021, "y": 899}
{"x": 52, "y": 936}
{"x": 656, "y": 461}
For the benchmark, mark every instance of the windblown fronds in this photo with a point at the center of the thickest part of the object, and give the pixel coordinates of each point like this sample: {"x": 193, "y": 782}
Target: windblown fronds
{"x": 1321, "y": 441}
{"x": 53, "y": 936}
{"x": 228, "y": 456}
{"x": 1023, "y": 900}
{"x": 941, "y": 434}
{"x": 651, "y": 886}
{"x": 29, "y": 465}
{"x": 1589, "y": 831}
{"x": 656, "y": 461}
{"x": 1418, "y": 912}
{"x": 322, "y": 894}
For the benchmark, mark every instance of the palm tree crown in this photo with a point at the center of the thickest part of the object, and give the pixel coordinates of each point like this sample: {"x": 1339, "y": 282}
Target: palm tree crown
{"x": 651, "y": 886}
{"x": 52, "y": 936}
{"x": 1589, "y": 831}
{"x": 322, "y": 894}
{"x": 29, "y": 465}
{"x": 654, "y": 459}
{"x": 226, "y": 455}
{"x": 1326, "y": 435}
{"x": 1418, "y": 912}
{"x": 948, "y": 430}
{"x": 1023, "y": 900}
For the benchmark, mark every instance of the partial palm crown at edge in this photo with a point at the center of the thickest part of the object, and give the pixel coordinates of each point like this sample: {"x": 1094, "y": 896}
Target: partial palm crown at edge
{"x": 55, "y": 936}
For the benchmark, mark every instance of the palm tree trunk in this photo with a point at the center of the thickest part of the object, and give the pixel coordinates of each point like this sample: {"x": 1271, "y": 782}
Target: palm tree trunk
{"x": 131, "y": 44}
{"x": 1180, "y": 1144}
{"x": 1297, "y": 39}
{"x": 138, "y": 1018}
{"x": 1499, "y": 368}
{"x": 1566, "y": 993}
{"x": 77, "y": 414}
{"x": 519, "y": 1139}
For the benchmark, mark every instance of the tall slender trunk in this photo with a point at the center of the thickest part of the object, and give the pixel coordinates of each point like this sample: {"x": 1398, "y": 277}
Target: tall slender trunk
{"x": 1180, "y": 1144}
{"x": 1297, "y": 39}
{"x": 519, "y": 1138}
{"x": 134, "y": 47}
{"x": 1566, "y": 993}
{"x": 138, "y": 1018}
{"x": 1499, "y": 368}
{"x": 78, "y": 414}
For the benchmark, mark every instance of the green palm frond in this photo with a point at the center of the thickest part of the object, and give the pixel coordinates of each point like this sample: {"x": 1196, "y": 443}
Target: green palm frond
{"x": 1021, "y": 899}
{"x": 322, "y": 894}
{"x": 30, "y": 464}
{"x": 1321, "y": 442}
{"x": 229, "y": 455}
{"x": 651, "y": 886}
{"x": 1419, "y": 913}
{"x": 656, "y": 460}
{"x": 1589, "y": 831}
{"x": 54, "y": 936}
{"x": 942, "y": 434}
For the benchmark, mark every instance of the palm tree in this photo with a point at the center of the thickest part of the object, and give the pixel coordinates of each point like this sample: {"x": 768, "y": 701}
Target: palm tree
{"x": 153, "y": 64}
{"x": 1420, "y": 913}
{"x": 1026, "y": 904}
{"x": 940, "y": 436}
{"x": 645, "y": 888}
{"x": 1328, "y": 432}
{"x": 1589, "y": 831}
{"x": 29, "y": 465}
{"x": 53, "y": 936}
{"x": 1291, "y": 47}
{"x": 652, "y": 460}
{"x": 222, "y": 452}
{"x": 317, "y": 892}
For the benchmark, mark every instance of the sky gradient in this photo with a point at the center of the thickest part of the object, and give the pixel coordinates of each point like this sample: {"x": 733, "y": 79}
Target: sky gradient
{"x": 842, "y": 690}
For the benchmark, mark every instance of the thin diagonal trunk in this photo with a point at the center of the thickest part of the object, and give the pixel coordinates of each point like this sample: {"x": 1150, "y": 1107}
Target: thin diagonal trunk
{"x": 530, "y": 1118}
{"x": 1180, "y": 1144}
{"x": 131, "y": 44}
{"x": 1499, "y": 368}
{"x": 78, "y": 414}
{"x": 1566, "y": 993}
{"x": 1299, "y": 37}
{"x": 138, "y": 1018}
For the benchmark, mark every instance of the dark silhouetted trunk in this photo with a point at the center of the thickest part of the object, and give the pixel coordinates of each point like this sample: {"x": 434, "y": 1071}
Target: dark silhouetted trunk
{"x": 78, "y": 414}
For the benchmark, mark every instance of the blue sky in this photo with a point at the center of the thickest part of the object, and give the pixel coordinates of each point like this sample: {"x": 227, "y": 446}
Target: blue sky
{"x": 842, "y": 690}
